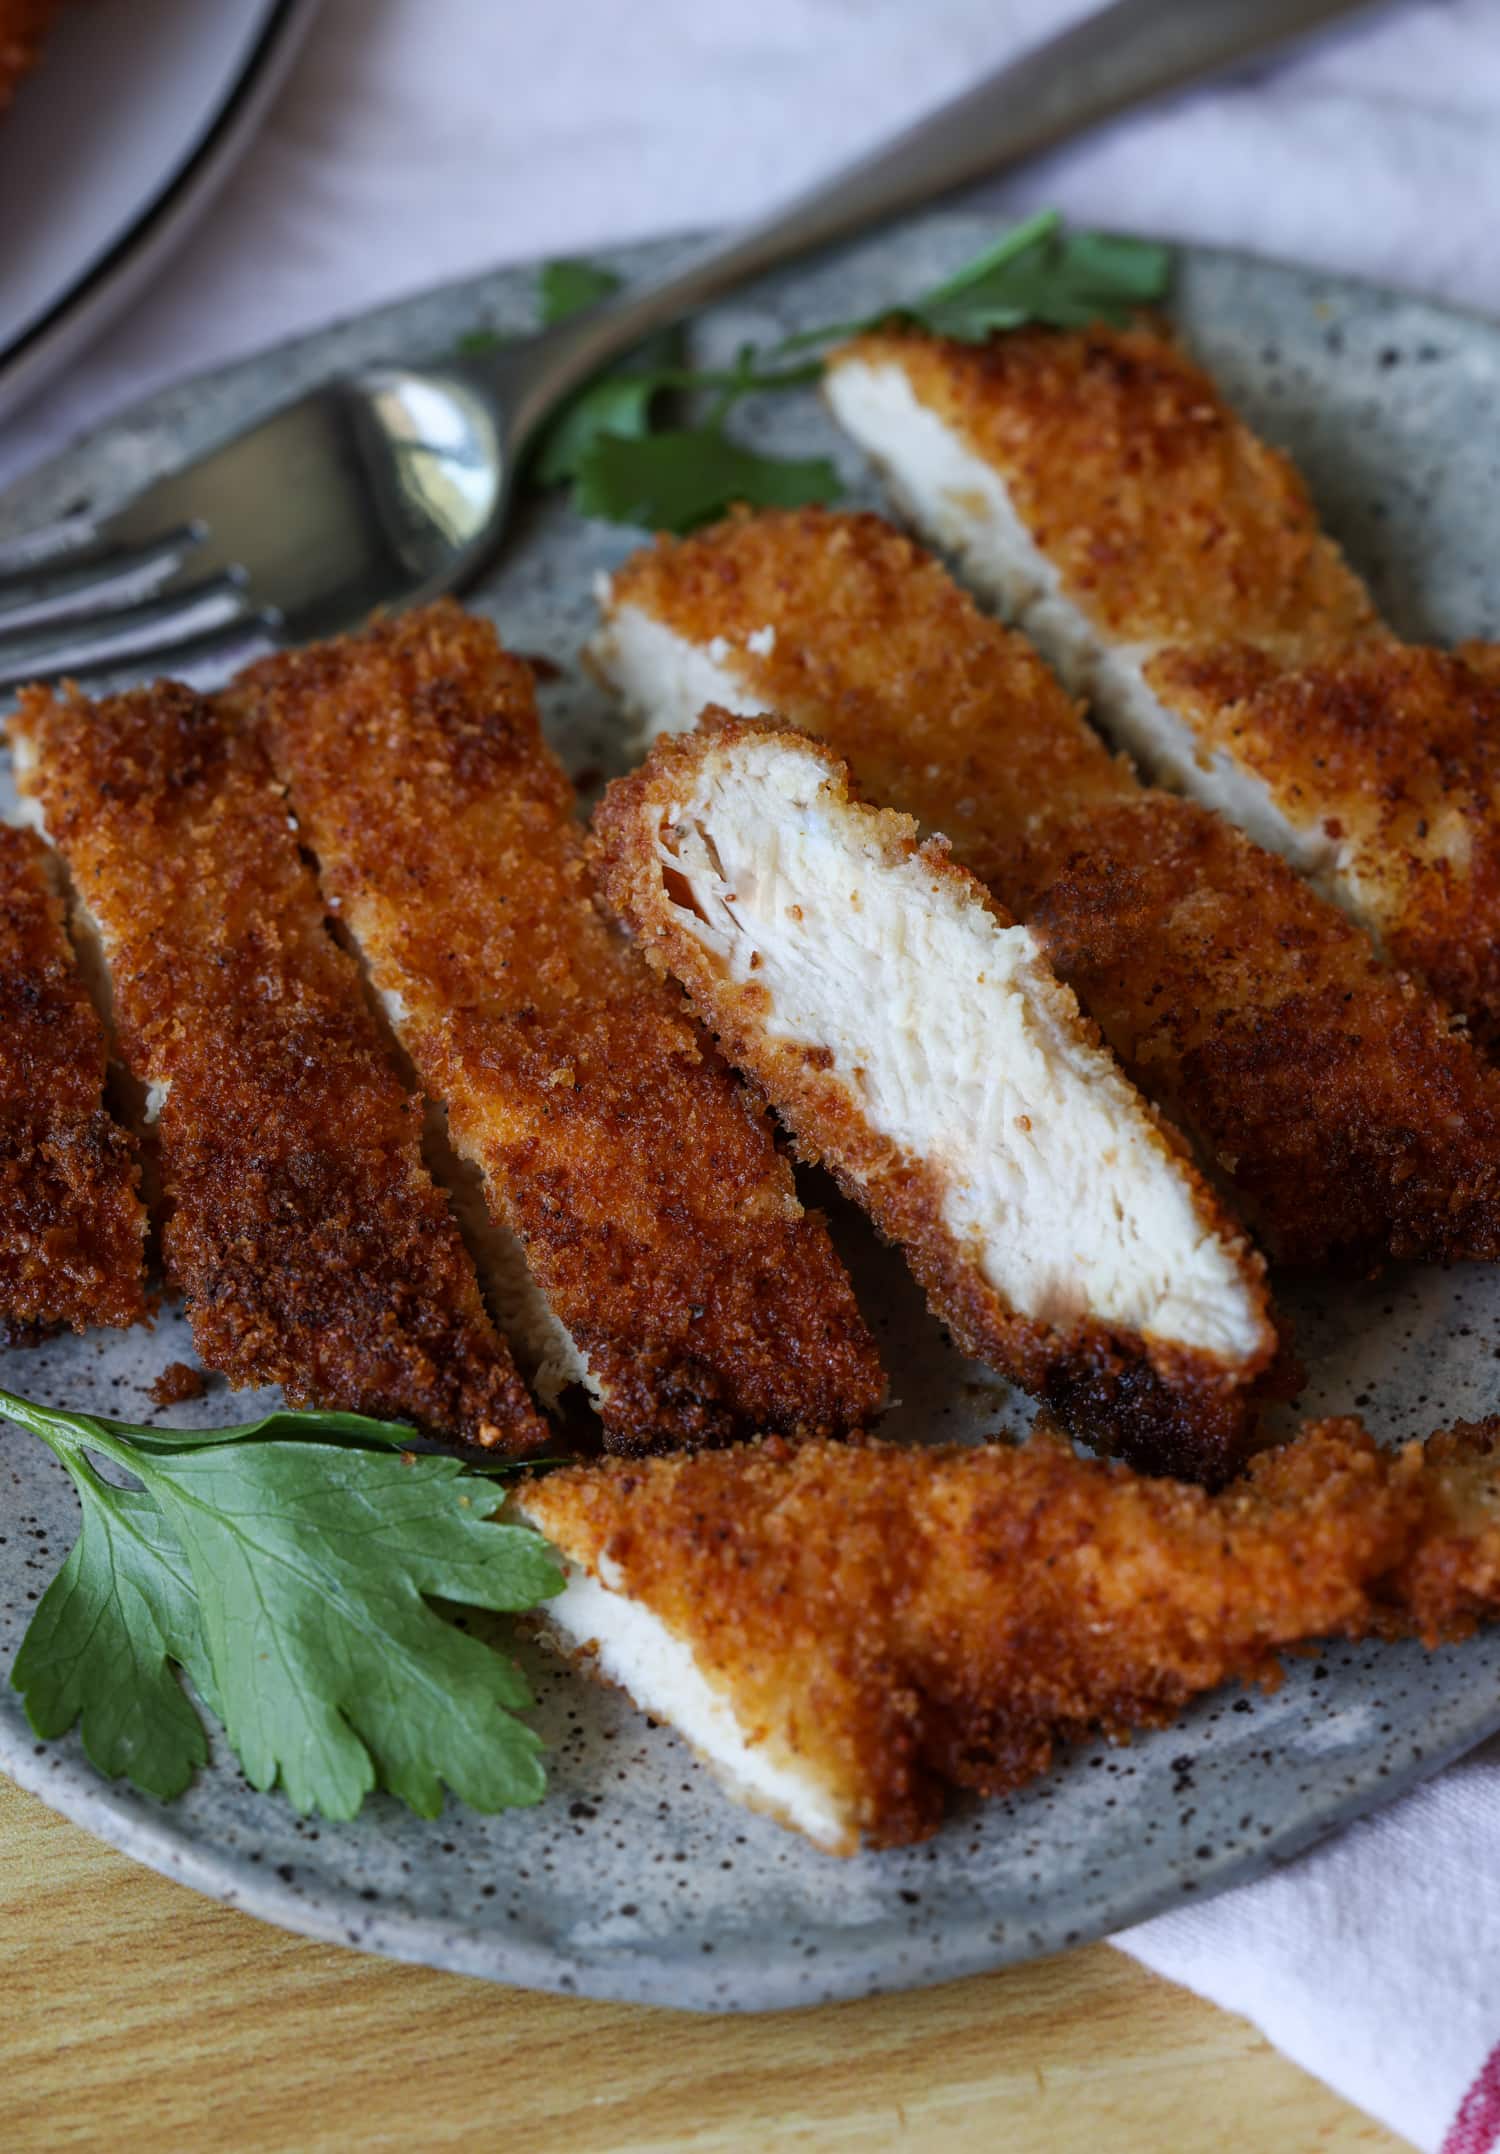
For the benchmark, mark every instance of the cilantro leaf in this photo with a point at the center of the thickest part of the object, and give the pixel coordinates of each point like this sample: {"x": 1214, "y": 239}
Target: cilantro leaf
{"x": 293, "y": 1579}
{"x": 568, "y": 287}
{"x": 675, "y": 480}
{"x": 106, "y": 1634}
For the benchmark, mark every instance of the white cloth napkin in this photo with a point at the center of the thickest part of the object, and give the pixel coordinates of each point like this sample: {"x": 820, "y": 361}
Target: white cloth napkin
{"x": 423, "y": 139}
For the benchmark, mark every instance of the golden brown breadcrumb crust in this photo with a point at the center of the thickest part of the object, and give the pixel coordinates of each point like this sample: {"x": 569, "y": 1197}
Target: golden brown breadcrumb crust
{"x": 1175, "y": 530}
{"x": 72, "y": 1226}
{"x": 1168, "y": 1408}
{"x": 903, "y": 1621}
{"x": 1396, "y": 751}
{"x": 1449, "y": 1578}
{"x": 178, "y": 1382}
{"x": 1481, "y": 658}
{"x": 23, "y": 28}
{"x": 1168, "y": 521}
{"x": 644, "y": 1184}
{"x": 937, "y": 709}
{"x": 1334, "y": 1094}
{"x": 303, "y": 1229}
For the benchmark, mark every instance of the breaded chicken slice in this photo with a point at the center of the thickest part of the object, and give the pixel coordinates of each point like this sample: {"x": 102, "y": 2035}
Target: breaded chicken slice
{"x": 674, "y": 1268}
{"x": 1387, "y": 762}
{"x": 917, "y": 1043}
{"x": 72, "y": 1225}
{"x": 23, "y": 29}
{"x": 842, "y": 625}
{"x": 1333, "y": 1094}
{"x": 1097, "y": 488}
{"x": 1449, "y": 1579}
{"x": 302, "y": 1228}
{"x": 845, "y": 1632}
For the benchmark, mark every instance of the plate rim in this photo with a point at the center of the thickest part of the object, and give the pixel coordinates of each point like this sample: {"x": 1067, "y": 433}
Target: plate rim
{"x": 62, "y": 1778}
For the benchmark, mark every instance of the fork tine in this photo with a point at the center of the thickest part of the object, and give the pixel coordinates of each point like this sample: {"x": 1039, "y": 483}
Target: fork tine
{"x": 152, "y": 630}
{"x": 205, "y": 663}
{"x": 95, "y": 580}
{"x": 48, "y": 543}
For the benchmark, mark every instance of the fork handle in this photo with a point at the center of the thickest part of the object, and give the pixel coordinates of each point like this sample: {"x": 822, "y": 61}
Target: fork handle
{"x": 1121, "y": 56}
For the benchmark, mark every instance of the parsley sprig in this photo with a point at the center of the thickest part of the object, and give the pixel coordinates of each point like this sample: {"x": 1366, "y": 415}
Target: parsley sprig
{"x": 288, "y": 1568}
{"x": 1036, "y": 272}
{"x": 626, "y": 468}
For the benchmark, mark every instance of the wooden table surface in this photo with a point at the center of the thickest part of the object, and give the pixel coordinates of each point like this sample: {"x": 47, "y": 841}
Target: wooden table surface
{"x": 136, "y": 2015}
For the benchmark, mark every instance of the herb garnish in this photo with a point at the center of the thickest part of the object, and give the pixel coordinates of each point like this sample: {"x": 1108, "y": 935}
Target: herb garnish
{"x": 1036, "y": 272}
{"x": 625, "y": 469}
{"x": 288, "y": 1568}
{"x": 674, "y": 481}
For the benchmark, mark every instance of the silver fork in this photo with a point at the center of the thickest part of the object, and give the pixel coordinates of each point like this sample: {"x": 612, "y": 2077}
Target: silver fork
{"x": 389, "y": 485}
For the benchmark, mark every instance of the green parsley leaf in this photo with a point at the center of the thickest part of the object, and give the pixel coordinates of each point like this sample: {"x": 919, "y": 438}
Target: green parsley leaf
{"x": 622, "y": 404}
{"x": 106, "y": 1638}
{"x": 675, "y": 480}
{"x": 294, "y": 1581}
{"x": 313, "y": 1568}
{"x": 1064, "y": 280}
{"x": 1036, "y": 272}
{"x": 475, "y": 343}
{"x": 619, "y": 404}
{"x": 568, "y": 287}
{"x": 332, "y": 1426}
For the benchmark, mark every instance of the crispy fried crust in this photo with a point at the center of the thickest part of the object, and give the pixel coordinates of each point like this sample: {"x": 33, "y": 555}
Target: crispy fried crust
{"x": 1397, "y": 751}
{"x": 23, "y": 28}
{"x": 303, "y": 1229}
{"x": 645, "y": 1186}
{"x": 1333, "y": 1094}
{"x": 874, "y": 648}
{"x": 1166, "y": 1407}
{"x": 1481, "y": 658}
{"x": 72, "y": 1226}
{"x": 903, "y": 1621}
{"x": 1449, "y": 1579}
{"x": 1168, "y": 520}
{"x": 1177, "y": 533}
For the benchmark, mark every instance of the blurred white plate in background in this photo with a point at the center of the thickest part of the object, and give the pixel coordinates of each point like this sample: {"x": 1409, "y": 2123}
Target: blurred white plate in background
{"x": 112, "y": 147}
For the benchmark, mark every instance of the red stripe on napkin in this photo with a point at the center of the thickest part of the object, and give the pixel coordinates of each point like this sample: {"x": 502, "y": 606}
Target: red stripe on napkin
{"x": 1476, "y": 2128}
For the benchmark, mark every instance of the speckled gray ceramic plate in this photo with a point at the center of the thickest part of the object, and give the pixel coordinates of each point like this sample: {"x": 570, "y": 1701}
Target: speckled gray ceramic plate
{"x": 637, "y": 1878}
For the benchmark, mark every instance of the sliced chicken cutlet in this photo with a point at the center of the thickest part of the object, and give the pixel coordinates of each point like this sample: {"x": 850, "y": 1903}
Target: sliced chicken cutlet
{"x": 302, "y": 1227}
{"x": 1388, "y": 758}
{"x": 917, "y": 1043}
{"x": 72, "y": 1225}
{"x": 1334, "y": 1094}
{"x": 1097, "y": 488}
{"x": 673, "y": 1268}
{"x": 845, "y": 1632}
